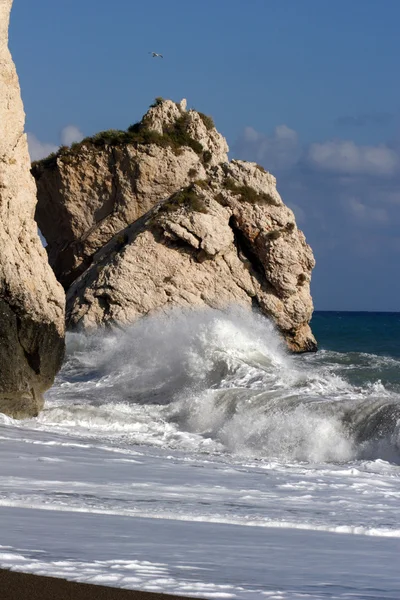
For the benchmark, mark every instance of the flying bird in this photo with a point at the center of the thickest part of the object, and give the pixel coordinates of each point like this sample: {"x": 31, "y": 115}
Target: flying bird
{"x": 155, "y": 55}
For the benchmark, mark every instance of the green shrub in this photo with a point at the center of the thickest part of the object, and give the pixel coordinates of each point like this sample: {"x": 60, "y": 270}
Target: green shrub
{"x": 274, "y": 235}
{"x": 139, "y": 134}
{"x": 48, "y": 162}
{"x": 111, "y": 137}
{"x": 135, "y": 128}
{"x": 176, "y": 136}
{"x": 246, "y": 192}
{"x": 203, "y": 183}
{"x": 208, "y": 121}
{"x": 159, "y": 100}
{"x": 186, "y": 197}
{"x": 230, "y": 185}
{"x": 68, "y": 159}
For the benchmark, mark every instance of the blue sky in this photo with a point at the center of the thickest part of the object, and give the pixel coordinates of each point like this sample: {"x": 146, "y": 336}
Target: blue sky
{"x": 307, "y": 88}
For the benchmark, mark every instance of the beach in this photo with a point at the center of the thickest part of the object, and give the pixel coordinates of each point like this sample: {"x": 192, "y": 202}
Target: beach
{"x": 222, "y": 468}
{"x": 24, "y": 586}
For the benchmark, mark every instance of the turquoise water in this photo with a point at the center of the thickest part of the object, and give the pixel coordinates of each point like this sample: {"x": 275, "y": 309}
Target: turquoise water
{"x": 362, "y": 348}
{"x": 367, "y": 332}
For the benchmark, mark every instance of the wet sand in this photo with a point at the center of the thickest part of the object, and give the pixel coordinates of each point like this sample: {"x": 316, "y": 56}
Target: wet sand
{"x": 24, "y": 586}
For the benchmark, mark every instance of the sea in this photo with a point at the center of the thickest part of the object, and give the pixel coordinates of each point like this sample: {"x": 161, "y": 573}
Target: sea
{"x": 192, "y": 454}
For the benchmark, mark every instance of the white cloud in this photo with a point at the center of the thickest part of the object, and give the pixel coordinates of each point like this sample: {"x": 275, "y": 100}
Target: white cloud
{"x": 251, "y": 135}
{"x": 363, "y": 212}
{"x": 346, "y": 157}
{"x": 71, "y": 134}
{"x": 277, "y": 151}
{"x": 37, "y": 149}
{"x": 283, "y": 132}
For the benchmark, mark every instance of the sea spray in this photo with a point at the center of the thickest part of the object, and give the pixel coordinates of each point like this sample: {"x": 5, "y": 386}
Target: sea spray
{"x": 221, "y": 381}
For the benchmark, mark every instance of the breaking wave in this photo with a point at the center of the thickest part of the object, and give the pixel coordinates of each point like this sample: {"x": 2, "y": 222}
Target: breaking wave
{"x": 222, "y": 382}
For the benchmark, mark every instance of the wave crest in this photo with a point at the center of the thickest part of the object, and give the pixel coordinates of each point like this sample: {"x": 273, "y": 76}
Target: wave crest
{"x": 221, "y": 381}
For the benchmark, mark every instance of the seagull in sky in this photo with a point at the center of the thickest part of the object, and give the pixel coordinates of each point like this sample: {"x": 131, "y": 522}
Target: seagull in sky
{"x": 155, "y": 55}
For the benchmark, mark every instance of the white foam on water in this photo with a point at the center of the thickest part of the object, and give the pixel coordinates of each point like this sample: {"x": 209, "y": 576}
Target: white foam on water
{"x": 213, "y": 381}
{"x": 201, "y": 419}
{"x": 172, "y": 516}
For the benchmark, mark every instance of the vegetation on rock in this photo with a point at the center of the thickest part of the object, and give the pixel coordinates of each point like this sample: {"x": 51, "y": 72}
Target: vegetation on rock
{"x": 187, "y": 197}
{"x": 175, "y": 136}
{"x": 157, "y": 101}
{"x": 208, "y": 121}
{"x": 246, "y": 192}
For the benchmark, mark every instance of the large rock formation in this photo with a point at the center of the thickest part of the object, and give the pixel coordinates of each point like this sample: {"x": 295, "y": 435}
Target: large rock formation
{"x": 93, "y": 190}
{"x": 156, "y": 217}
{"x": 31, "y": 300}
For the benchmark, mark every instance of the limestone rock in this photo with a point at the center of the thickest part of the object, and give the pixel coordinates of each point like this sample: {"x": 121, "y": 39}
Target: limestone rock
{"x": 204, "y": 246}
{"x": 89, "y": 193}
{"x": 157, "y": 217}
{"x": 31, "y": 300}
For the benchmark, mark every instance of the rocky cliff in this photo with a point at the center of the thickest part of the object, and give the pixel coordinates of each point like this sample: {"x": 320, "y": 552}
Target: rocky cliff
{"x": 31, "y": 300}
{"x": 157, "y": 217}
{"x": 89, "y": 192}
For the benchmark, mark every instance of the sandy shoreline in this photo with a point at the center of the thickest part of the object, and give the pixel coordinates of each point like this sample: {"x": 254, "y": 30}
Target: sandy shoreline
{"x": 25, "y": 586}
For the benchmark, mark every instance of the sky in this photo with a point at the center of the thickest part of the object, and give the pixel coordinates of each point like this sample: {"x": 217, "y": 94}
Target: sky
{"x": 309, "y": 89}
